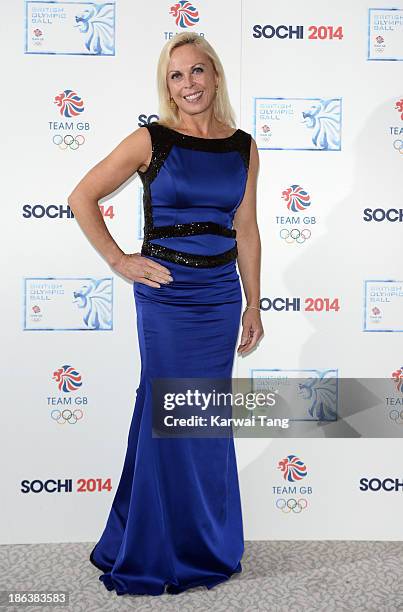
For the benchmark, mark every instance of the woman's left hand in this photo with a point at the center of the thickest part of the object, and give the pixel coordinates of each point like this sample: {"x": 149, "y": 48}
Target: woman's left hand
{"x": 252, "y": 330}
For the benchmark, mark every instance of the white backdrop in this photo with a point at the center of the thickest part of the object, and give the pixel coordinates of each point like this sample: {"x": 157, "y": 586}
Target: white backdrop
{"x": 321, "y": 96}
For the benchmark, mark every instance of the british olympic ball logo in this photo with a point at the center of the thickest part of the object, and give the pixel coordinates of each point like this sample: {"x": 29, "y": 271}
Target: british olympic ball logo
{"x": 297, "y": 124}
{"x": 385, "y": 30}
{"x": 383, "y": 301}
{"x": 67, "y": 303}
{"x": 69, "y": 28}
{"x": 308, "y": 394}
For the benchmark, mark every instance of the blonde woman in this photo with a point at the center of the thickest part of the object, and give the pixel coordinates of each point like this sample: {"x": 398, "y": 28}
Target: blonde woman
{"x": 176, "y": 519}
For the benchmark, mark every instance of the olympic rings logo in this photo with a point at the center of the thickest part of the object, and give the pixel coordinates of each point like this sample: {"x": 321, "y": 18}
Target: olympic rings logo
{"x": 68, "y": 141}
{"x": 398, "y": 145}
{"x": 295, "y": 235}
{"x": 67, "y": 416}
{"x": 291, "y": 505}
{"x": 396, "y": 416}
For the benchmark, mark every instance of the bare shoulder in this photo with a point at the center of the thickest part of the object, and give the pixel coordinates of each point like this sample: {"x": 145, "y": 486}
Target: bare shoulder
{"x": 131, "y": 154}
{"x": 253, "y": 164}
{"x": 253, "y": 155}
{"x": 140, "y": 135}
{"x": 136, "y": 145}
{"x": 253, "y": 145}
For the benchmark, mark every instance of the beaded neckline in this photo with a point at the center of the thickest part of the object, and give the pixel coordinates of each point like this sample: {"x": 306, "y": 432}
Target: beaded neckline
{"x": 199, "y": 137}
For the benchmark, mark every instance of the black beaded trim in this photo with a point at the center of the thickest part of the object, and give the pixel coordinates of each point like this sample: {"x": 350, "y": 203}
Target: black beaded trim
{"x": 162, "y": 139}
{"x": 239, "y": 141}
{"x": 190, "y": 229}
{"x": 189, "y": 259}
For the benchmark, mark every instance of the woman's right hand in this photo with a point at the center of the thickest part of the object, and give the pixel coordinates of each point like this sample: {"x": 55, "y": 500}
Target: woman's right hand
{"x": 141, "y": 269}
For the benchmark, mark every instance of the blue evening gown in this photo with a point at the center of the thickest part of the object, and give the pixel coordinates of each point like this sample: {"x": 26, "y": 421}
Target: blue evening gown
{"x": 176, "y": 519}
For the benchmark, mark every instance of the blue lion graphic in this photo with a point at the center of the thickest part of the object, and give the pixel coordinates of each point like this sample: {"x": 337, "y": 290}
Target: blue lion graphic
{"x": 321, "y": 392}
{"x": 324, "y": 118}
{"x": 96, "y": 299}
{"x": 97, "y": 23}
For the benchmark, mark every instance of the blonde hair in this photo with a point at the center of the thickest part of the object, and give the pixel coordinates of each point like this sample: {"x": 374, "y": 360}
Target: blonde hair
{"x": 168, "y": 113}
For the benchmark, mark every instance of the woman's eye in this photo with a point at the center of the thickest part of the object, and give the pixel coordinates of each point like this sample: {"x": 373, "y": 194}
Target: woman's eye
{"x": 178, "y": 74}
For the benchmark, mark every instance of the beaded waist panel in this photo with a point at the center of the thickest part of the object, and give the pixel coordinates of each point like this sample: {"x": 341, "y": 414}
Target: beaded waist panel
{"x": 188, "y": 229}
{"x": 163, "y": 139}
{"x": 189, "y": 259}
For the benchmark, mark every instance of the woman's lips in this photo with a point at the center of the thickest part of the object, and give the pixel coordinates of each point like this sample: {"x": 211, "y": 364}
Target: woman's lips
{"x": 194, "y": 97}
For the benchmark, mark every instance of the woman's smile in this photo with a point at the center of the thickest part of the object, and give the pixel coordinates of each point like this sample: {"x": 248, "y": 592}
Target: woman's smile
{"x": 193, "y": 97}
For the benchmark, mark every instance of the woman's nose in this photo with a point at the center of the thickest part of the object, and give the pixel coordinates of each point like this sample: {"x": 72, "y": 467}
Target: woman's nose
{"x": 189, "y": 80}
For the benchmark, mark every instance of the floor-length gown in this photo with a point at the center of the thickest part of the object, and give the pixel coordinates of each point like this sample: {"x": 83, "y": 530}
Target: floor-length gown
{"x": 176, "y": 519}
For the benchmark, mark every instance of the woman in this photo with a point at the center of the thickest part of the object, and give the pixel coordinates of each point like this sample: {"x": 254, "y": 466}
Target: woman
{"x": 176, "y": 521}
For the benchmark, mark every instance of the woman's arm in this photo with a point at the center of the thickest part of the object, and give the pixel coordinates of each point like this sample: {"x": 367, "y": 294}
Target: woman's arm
{"x": 249, "y": 255}
{"x": 133, "y": 153}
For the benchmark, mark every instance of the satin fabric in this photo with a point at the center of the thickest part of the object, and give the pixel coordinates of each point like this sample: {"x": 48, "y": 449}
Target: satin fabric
{"x": 176, "y": 519}
{"x": 198, "y": 186}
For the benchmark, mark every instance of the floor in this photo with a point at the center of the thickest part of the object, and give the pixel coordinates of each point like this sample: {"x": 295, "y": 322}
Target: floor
{"x": 280, "y": 576}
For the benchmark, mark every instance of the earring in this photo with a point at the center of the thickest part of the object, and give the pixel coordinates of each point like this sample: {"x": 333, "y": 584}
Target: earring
{"x": 172, "y": 102}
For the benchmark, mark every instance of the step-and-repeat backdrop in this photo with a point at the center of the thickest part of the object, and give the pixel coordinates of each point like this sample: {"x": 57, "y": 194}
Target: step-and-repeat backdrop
{"x": 319, "y": 86}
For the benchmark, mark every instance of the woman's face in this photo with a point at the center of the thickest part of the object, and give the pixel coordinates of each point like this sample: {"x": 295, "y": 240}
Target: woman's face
{"x": 191, "y": 79}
